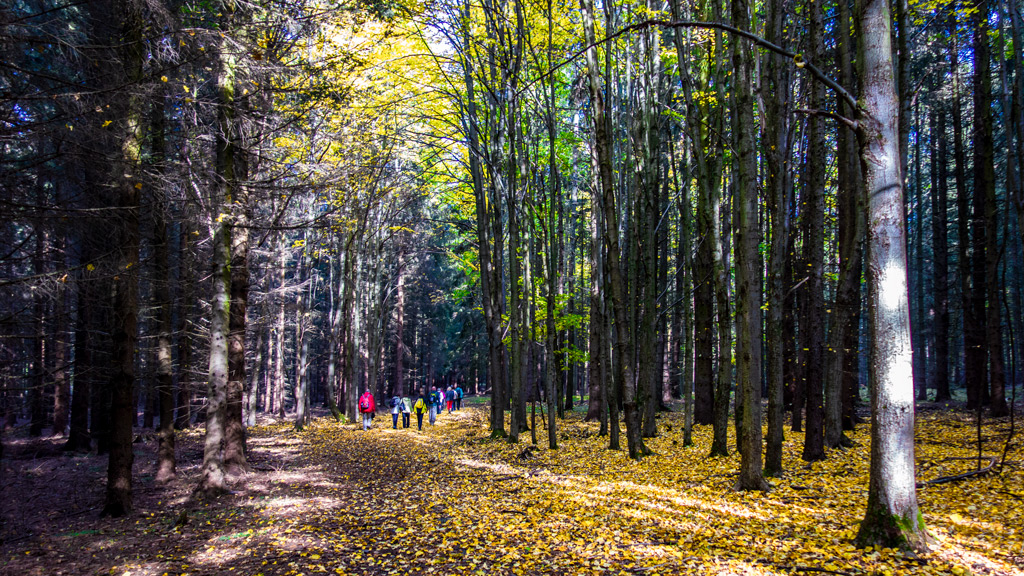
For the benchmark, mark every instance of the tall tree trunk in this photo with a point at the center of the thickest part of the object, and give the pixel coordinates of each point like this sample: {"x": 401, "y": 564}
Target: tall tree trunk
{"x": 61, "y": 357}
{"x": 186, "y": 282}
{"x": 987, "y": 211}
{"x": 975, "y": 372}
{"x": 37, "y": 383}
{"x": 844, "y": 329}
{"x": 165, "y": 457}
{"x": 918, "y": 329}
{"x": 892, "y": 518}
{"x": 595, "y": 346}
{"x": 399, "y": 377}
{"x": 126, "y": 288}
{"x": 940, "y": 247}
{"x": 277, "y": 397}
{"x": 775, "y": 83}
{"x": 648, "y": 235}
{"x": 235, "y": 461}
{"x": 488, "y": 249}
{"x": 621, "y": 365}
{"x": 553, "y": 244}
{"x": 259, "y": 372}
{"x": 812, "y": 325}
{"x": 748, "y": 260}
{"x": 1016, "y": 127}
{"x": 79, "y": 439}
{"x": 719, "y": 239}
{"x": 212, "y": 474}
{"x": 301, "y": 352}
{"x": 984, "y": 179}
{"x": 701, "y": 269}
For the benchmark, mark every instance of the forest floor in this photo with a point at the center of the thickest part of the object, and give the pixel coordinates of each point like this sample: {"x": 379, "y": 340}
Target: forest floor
{"x": 336, "y": 500}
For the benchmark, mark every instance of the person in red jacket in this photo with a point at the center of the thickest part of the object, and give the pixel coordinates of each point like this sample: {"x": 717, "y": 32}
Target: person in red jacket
{"x": 367, "y": 407}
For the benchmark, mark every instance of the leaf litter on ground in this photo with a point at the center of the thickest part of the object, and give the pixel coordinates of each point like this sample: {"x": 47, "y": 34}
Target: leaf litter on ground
{"x": 450, "y": 500}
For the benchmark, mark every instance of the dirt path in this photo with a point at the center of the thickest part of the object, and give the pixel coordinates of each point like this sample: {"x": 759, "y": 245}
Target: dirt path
{"x": 337, "y": 500}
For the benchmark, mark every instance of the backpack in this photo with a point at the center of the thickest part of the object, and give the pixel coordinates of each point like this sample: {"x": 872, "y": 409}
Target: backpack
{"x": 434, "y": 399}
{"x": 364, "y": 403}
{"x": 420, "y": 406}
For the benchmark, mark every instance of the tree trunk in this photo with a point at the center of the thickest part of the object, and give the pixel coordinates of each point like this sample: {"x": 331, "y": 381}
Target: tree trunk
{"x": 186, "y": 263}
{"x": 812, "y": 325}
{"x": 165, "y": 457}
{"x": 235, "y": 461}
{"x": 719, "y": 234}
{"x": 301, "y": 352}
{"x": 277, "y": 397}
{"x": 975, "y": 372}
{"x": 984, "y": 178}
{"x": 553, "y": 247}
{"x": 621, "y": 365}
{"x": 37, "y": 383}
{"x": 126, "y": 288}
{"x": 212, "y": 473}
{"x": 775, "y": 83}
{"x": 844, "y": 329}
{"x": 399, "y": 377}
{"x": 748, "y": 260}
{"x": 987, "y": 212}
{"x": 892, "y": 518}
{"x": 1017, "y": 115}
{"x": 940, "y": 246}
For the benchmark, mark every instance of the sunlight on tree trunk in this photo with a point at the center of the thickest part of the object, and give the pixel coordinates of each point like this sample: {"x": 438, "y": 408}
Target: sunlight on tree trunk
{"x": 892, "y": 518}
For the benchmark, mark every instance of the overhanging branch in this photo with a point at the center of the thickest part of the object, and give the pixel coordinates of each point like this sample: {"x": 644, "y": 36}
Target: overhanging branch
{"x": 798, "y": 60}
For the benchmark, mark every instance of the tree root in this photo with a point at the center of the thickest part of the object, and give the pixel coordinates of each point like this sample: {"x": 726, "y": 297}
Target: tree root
{"x": 958, "y": 477}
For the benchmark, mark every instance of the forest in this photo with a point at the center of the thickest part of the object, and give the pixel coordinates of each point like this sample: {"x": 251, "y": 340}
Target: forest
{"x": 756, "y": 259}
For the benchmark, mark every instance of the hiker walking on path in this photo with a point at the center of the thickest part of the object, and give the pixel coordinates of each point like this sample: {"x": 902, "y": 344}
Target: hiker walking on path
{"x": 458, "y": 397}
{"x": 367, "y": 407}
{"x": 450, "y": 397}
{"x": 396, "y": 409}
{"x": 420, "y": 408}
{"x": 406, "y": 410}
{"x": 434, "y": 401}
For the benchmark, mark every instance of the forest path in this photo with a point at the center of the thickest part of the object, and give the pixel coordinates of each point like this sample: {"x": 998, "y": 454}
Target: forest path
{"x": 448, "y": 500}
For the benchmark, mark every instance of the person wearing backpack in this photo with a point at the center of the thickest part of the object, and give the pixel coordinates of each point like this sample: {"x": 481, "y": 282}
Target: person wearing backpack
{"x": 458, "y": 397}
{"x": 396, "y": 409}
{"x": 406, "y": 410}
{"x": 434, "y": 402}
{"x": 420, "y": 407}
{"x": 367, "y": 407}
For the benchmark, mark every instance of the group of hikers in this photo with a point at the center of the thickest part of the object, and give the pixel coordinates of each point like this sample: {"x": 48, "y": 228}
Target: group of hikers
{"x": 431, "y": 404}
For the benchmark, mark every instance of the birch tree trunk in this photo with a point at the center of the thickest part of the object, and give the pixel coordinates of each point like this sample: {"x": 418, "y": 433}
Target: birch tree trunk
{"x": 892, "y": 518}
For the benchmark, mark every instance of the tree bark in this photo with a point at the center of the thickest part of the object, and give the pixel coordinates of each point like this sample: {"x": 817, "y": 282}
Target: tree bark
{"x": 812, "y": 325}
{"x": 212, "y": 472}
{"x": 892, "y": 518}
{"x": 748, "y": 260}
{"x": 165, "y": 458}
{"x": 127, "y": 176}
{"x": 775, "y": 86}
{"x": 987, "y": 212}
{"x": 235, "y": 461}
{"x": 940, "y": 246}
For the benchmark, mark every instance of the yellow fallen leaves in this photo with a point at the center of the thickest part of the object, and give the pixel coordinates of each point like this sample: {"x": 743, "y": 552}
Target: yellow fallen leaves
{"x": 449, "y": 501}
